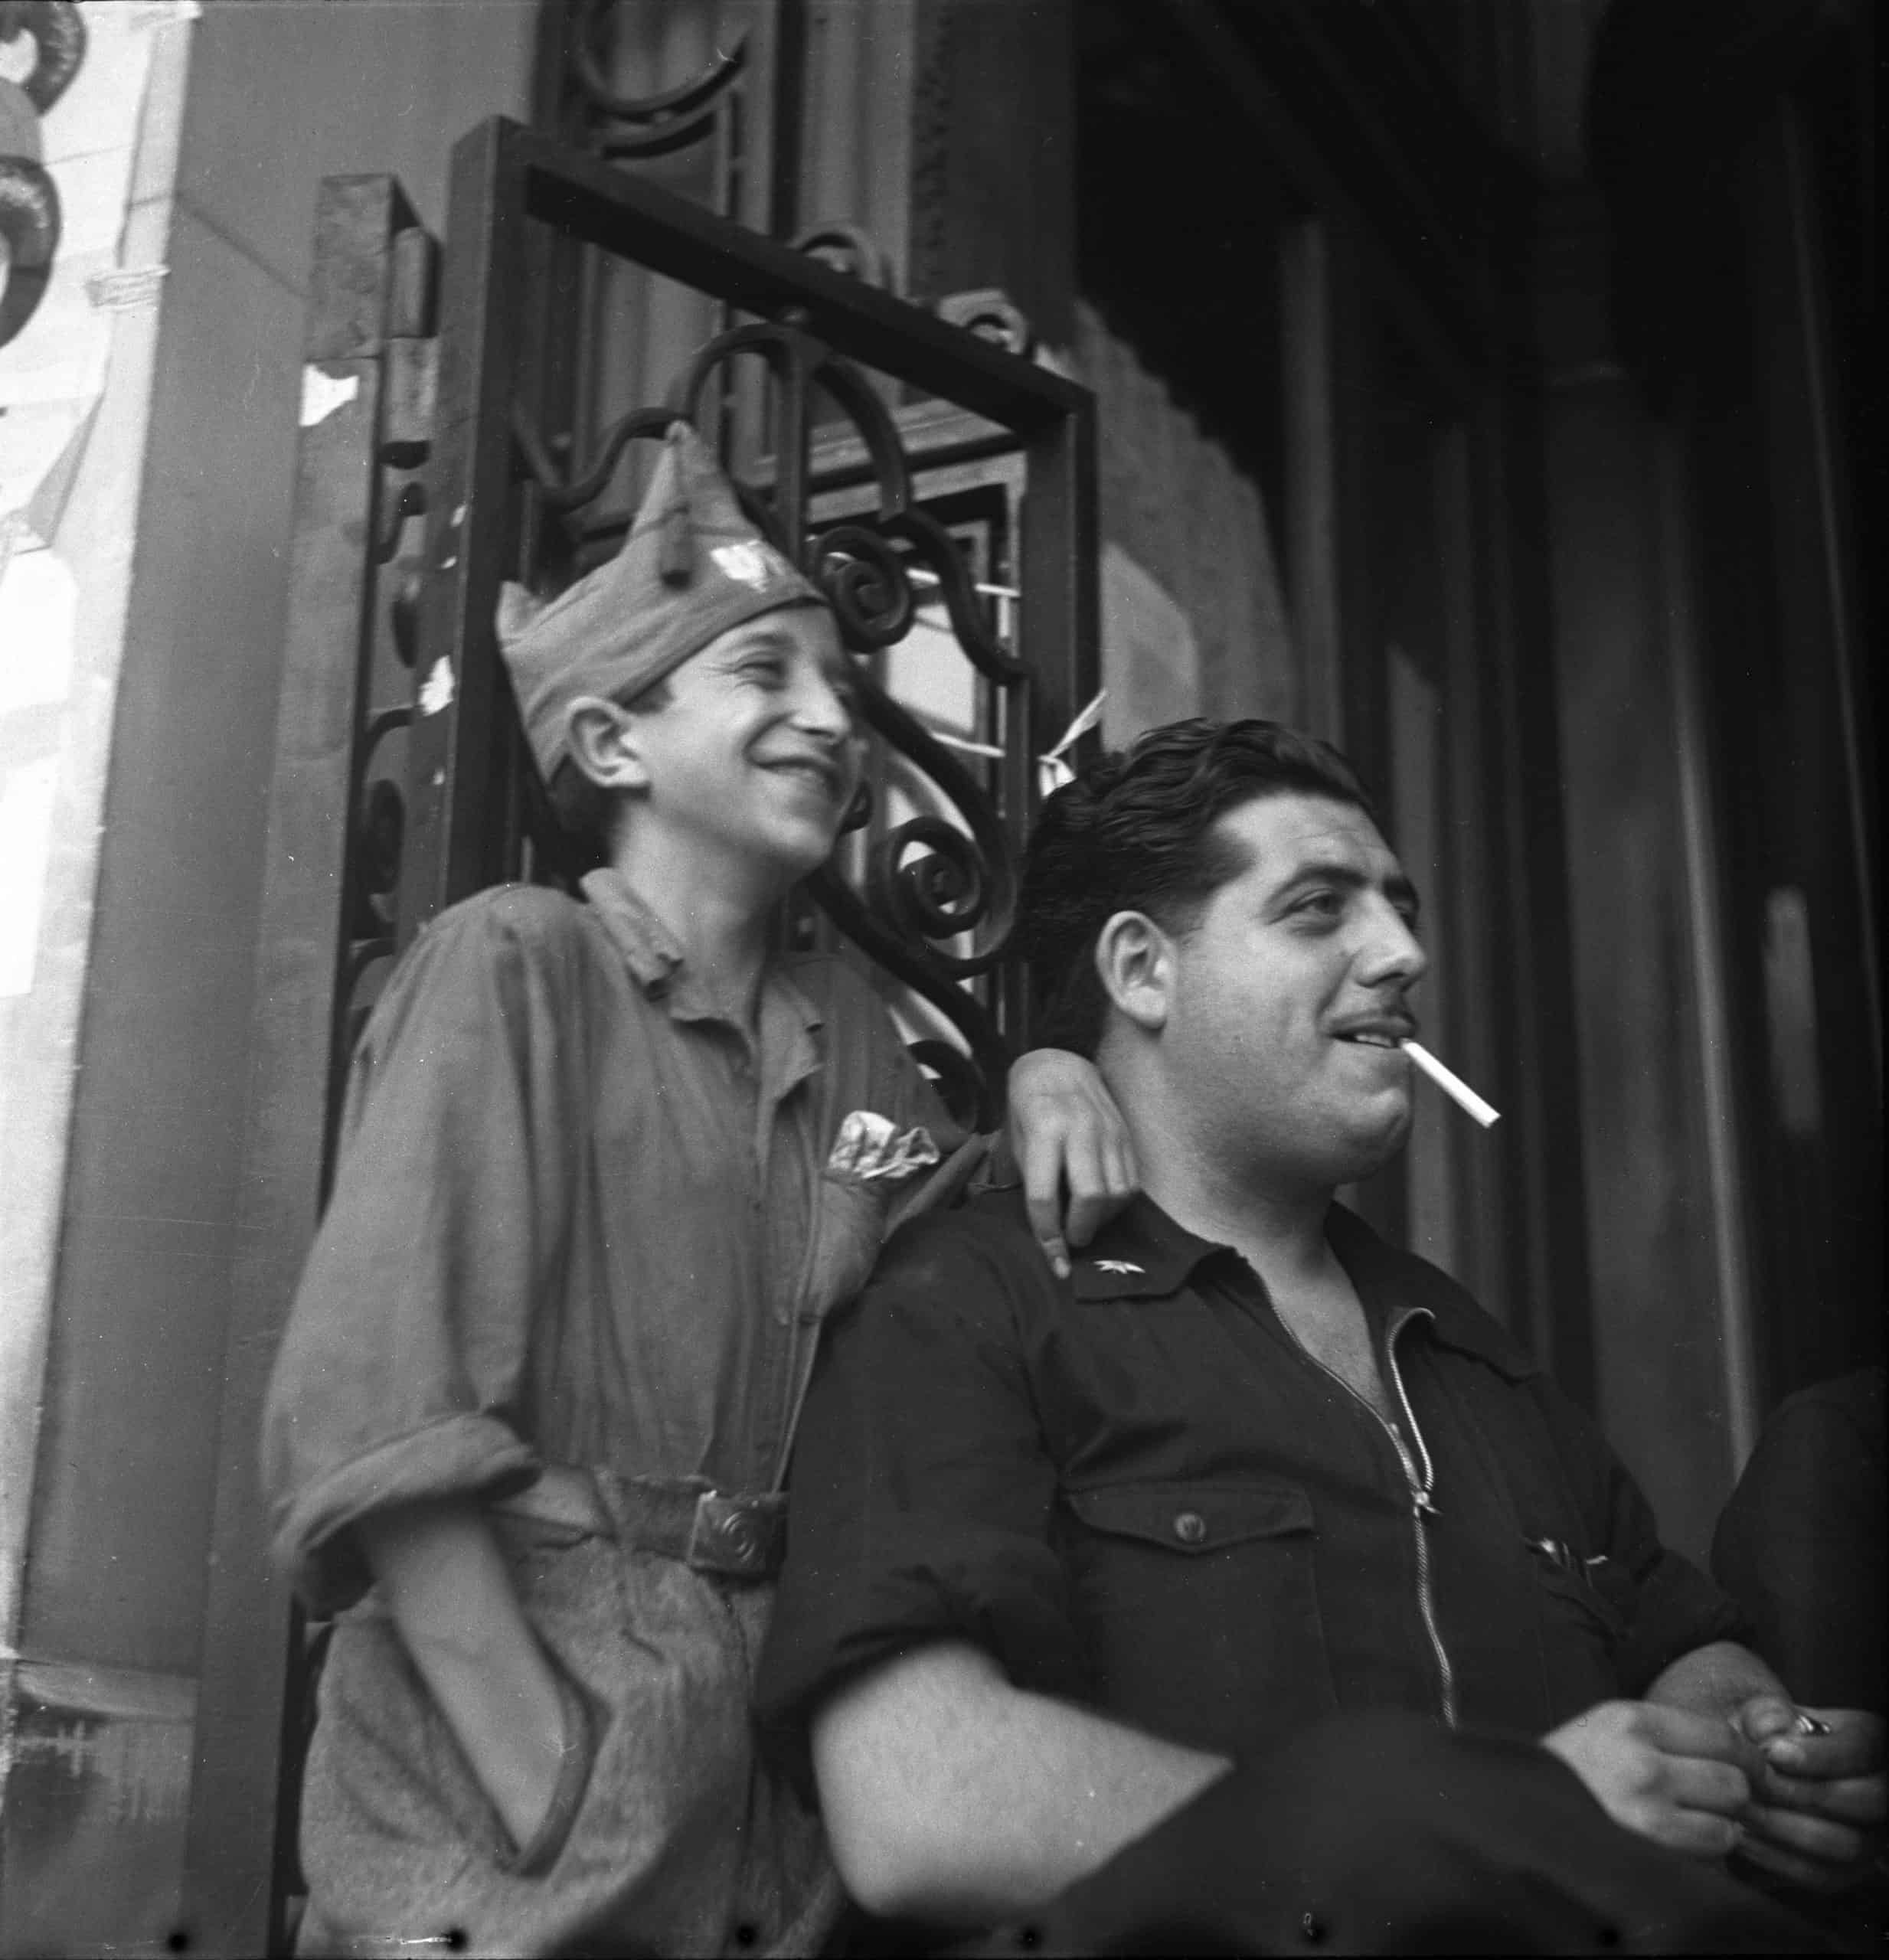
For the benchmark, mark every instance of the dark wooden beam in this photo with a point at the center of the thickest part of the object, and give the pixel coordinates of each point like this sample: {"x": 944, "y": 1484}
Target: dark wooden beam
{"x": 231, "y": 1848}
{"x": 638, "y": 220}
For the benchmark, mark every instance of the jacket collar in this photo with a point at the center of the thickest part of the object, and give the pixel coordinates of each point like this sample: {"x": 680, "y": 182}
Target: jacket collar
{"x": 1142, "y": 1254}
{"x": 1384, "y": 1273}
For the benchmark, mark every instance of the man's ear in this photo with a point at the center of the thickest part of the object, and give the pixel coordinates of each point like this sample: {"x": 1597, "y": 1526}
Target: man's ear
{"x": 1135, "y": 962}
{"x": 602, "y": 738}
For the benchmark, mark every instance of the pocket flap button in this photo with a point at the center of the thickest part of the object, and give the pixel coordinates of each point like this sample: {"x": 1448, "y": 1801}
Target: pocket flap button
{"x": 1190, "y": 1527}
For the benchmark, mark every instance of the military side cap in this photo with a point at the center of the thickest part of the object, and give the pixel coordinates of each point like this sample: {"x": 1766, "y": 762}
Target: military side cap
{"x": 692, "y": 566}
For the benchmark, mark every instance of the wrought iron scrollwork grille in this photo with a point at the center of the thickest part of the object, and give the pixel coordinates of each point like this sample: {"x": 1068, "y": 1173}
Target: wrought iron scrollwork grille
{"x": 615, "y": 126}
{"x": 835, "y": 478}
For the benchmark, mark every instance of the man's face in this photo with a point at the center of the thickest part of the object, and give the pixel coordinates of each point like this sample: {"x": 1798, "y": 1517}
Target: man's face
{"x": 755, "y": 754}
{"x": 1290, "y": 998}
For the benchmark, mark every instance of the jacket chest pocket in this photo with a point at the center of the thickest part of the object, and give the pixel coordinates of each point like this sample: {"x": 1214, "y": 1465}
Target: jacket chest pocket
{"x": 1581, "y": 1617}
{"x": 1199, "y": 1604}
{"x": 848, "y": 1223}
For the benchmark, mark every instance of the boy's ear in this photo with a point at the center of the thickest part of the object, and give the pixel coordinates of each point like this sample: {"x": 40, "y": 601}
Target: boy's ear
{"x": 1135, "y": 964}
{"x": 602, "y": 738}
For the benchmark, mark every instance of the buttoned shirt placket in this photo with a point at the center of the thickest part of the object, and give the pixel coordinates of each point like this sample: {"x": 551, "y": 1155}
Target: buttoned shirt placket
{"x": 785, "y": 1057}
{"x": 769, "y": 1066}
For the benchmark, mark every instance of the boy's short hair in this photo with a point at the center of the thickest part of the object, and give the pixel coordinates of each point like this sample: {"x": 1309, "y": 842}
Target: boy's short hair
{"x": 586, "y": 812}
{"x": 1135, "y": 832}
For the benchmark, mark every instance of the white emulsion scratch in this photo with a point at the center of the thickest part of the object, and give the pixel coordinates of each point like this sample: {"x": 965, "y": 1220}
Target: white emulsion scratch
{"x": 322, "y": 393}
{"x": 437, "y": 689}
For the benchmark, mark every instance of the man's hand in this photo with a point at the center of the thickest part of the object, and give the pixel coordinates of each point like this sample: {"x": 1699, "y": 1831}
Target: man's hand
{"x": 1065, "y": 1131}
{"x": 1819, "y": 1802}
{"x": 1680, "y": 1778}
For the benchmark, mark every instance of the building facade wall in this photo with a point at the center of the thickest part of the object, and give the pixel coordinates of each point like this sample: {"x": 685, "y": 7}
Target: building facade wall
{"x": 189, "y": 491}
{"x": 78, "y": 381}
{"x": 1194, "y": 614}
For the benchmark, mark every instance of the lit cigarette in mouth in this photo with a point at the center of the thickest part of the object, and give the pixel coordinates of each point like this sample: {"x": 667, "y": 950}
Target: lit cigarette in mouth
{"x": 1459, "y": 1091}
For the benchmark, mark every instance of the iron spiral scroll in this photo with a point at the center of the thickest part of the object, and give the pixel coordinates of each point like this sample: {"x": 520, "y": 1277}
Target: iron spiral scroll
{"x": 618, "y": 126}
{"x": 927, "y": 881}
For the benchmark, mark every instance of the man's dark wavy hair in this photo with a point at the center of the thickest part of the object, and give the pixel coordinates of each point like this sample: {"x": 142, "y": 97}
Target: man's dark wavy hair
{"x": 1135, "y": 832}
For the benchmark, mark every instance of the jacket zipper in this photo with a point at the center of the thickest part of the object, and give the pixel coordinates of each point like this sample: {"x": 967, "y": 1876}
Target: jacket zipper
{"x": 1419, "y": 1486}
{"x": 1420, "y": 1509}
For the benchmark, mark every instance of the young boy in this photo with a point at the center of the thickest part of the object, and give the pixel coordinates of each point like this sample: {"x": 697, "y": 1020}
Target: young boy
{"x": 605, "y": 1166}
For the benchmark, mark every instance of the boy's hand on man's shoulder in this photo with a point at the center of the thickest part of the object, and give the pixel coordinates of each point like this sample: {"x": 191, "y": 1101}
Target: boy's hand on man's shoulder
{"x": 1070, "y": 1144}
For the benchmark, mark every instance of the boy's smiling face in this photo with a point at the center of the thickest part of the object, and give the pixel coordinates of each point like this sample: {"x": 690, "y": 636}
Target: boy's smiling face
{"x": 755, "y": 754}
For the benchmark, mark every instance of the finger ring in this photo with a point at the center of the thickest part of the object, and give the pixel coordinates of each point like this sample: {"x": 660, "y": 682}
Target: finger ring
{"x": 1809, "y": 1725}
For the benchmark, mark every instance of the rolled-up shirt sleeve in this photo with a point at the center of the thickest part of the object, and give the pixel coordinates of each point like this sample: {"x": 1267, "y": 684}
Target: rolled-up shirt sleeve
{"x": 402, "y": 1363}
{"x": 921, "y": 1496}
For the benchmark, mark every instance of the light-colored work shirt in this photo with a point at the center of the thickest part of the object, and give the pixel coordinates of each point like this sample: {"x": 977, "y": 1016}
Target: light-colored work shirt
{"x": 582, "y": 1219}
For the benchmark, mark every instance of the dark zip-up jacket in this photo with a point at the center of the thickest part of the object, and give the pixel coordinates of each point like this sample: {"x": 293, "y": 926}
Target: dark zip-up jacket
{"x": 1136, "y": 1490}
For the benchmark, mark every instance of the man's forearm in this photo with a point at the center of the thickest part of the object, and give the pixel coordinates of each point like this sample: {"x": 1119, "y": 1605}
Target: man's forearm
{"x": 949, "y": 1796}
{"x": 1718, "y": 1679}
{"x": 448, "y": 1590}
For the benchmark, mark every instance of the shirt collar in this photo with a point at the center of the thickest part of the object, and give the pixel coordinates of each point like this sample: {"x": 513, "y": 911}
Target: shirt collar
{"x": 650, "y": 949}
{"x": 659, "y": 966}
{"x": 1384, "y": 1273}
{"x": 1142, "y": 1254}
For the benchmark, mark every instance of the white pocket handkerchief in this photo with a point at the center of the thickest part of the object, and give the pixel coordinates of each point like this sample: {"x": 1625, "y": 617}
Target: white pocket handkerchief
{"x": 869, "y": 1146}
